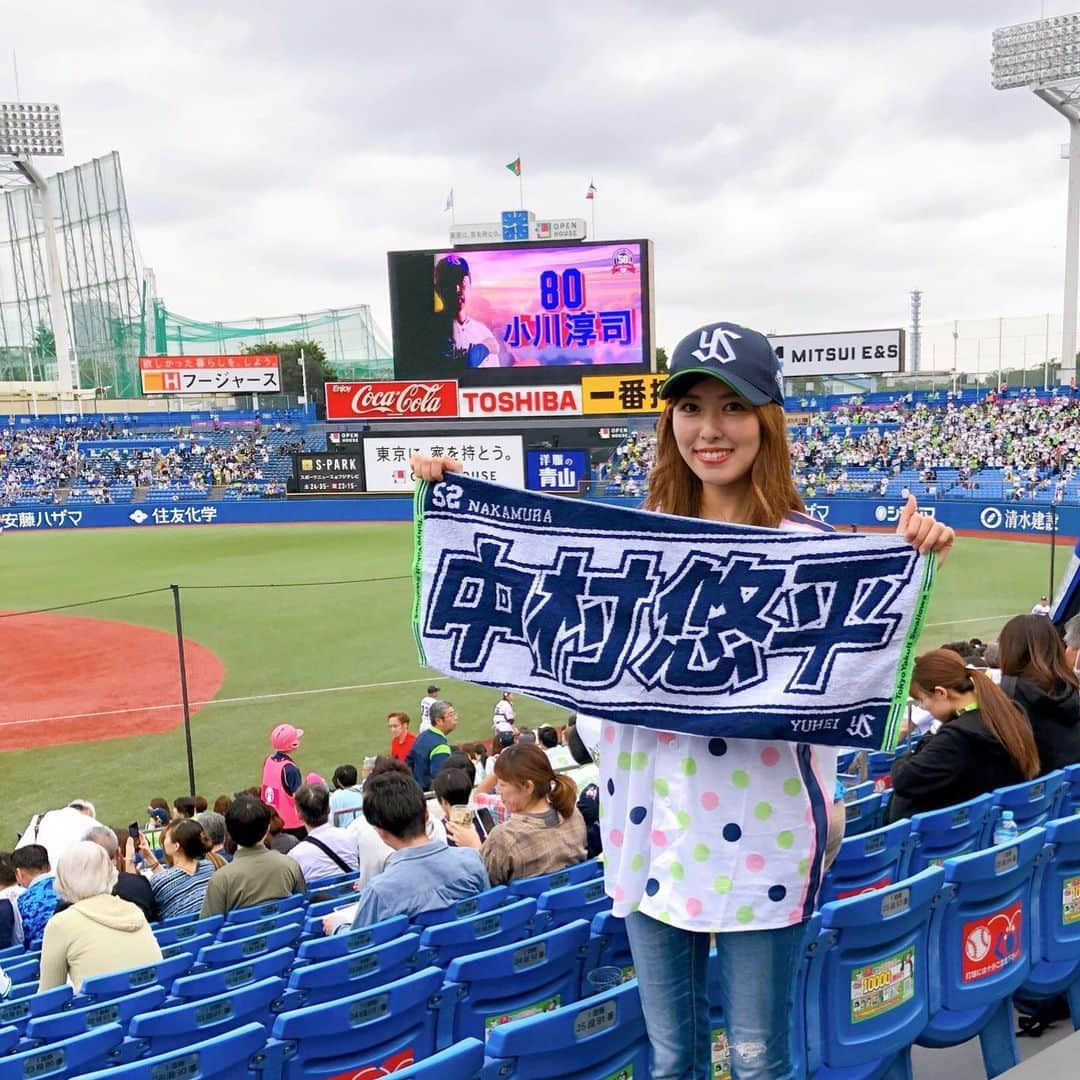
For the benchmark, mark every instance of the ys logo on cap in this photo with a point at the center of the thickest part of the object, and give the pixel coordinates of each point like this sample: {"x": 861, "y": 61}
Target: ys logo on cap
{"x": 718, "y": 346}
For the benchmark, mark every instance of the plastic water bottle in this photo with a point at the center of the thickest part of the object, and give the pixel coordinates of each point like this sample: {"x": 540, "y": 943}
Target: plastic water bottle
{"x": 1006, "y": 831}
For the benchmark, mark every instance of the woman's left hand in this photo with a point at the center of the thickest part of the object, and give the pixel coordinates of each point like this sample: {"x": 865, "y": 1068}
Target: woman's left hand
{"x": 463, "y": 835}
{"x": 923, "y": 532}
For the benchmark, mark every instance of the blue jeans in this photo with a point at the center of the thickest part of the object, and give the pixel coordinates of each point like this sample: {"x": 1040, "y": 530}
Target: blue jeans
{"x": 756, "y": 988}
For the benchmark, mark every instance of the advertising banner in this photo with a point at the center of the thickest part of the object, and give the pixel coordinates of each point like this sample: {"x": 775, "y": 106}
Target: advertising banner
{"x": 621, "y": 394}
{"x": 390, "y": 400}
{"x": 335, "y": 439}
{"x": 537, "y": 401}
{"x": 498, "y": 458}
{"x": 520, "y": 312}
{"x": 849, "y": 352}
{"x": 329, "y": 472}
{"x": 557, "y": 471}
{"x": 210, "y": 374}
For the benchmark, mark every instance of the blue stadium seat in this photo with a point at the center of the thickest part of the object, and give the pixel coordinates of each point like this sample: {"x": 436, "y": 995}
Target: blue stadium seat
{"x": 264, "y": 911}
{"x": 350, "y": 941}
{"x": 447, "y": 941}
{"x": 1055, "y": 939}
{"x": 9, "y": 1038}
{"x": 859, "y": 791}
{"x": 879, "y": 764}
{"x": 609, "y": 945}
{"x": 352, "y": 974}
{"x": 225, "y": 1057}
{"x": 24, "y": 971}
{"x": 595, "y": 1039}
{"x": 557, "y": 907}
{"x": 1033, "y": 803}
{"x": 178, "y": 932}
{"x": 495, "y": 987}
{"x": 868, "y": 861}
{"x": 557, "y": 879}
{"x": 314, "y": 913}
{"x": 176, "y": 1026}
{"x": 462, "y": 1061}
{"x": 495, "y": 897}
{"x": 72, "y": 1057}
{"x": 1070, "y": 800}
{"x": 15, "y": 952}
{"x": 867, "y": 980}
{"x": 385, "y": 1029}
{"x": 247, "y": 948}
{"x": 982, "y": 953}
{"x": 955, "y": 830}
{"x": 239, "y": 931}
{"x": 69, "y": 1022}
{"x": 188, "y": 945}
{"x": 219, "y": 980}
{"x": 17, "y": 1010}
{"x": 862, "y": 815}
{"x": 118, "y": 983}
{"x": 182, "y": 920}
{"x": 329, "y": 883}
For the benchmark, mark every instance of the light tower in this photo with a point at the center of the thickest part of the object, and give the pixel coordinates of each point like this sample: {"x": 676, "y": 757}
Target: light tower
{"x": 32, "y": 129}
{"x": 916, "y": 330}
{"x": 1044, "y": 56}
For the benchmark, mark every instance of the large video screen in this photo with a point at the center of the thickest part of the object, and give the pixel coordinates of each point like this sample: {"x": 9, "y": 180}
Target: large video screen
{"x": 521, "y": 312}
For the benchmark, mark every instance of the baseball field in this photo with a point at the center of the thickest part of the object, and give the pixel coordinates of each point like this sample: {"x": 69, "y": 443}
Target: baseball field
{"x": 89, "y": 697}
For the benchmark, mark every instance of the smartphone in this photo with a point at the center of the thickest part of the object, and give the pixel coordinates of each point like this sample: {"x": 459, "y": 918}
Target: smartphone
{"x": 133, "y": 830}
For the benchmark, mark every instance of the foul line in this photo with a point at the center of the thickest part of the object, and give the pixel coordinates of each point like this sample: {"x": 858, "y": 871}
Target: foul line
{"x": 979, "y": 618}
{"x": 215, "y": 701}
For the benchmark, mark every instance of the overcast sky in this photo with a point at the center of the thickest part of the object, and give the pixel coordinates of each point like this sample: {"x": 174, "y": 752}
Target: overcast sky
{"x": 798, "y": 166}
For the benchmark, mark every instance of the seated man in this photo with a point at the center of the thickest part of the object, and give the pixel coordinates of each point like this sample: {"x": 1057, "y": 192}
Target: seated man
{"x": 421, "y": 874}
{"x": 326, "y": 850}
{"x": 256, "y": 874}
{"x": 38, "y": 903}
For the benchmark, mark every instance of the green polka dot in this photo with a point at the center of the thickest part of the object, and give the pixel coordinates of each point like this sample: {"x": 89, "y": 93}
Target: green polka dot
{"x": 689, "y": 766}
{"x": 745, "y": 914}
{"x": 740, "y": 778}
{"x": 623, "y": 760}
{"x": 792, "y": 785}
{"x": 660, "y": 787}
{"x": 701, "y": 852}
{"x": 804, "y": 865}
{"x": 683, "y": 818}
{"x": 637, "y": 862}
{"x": 634, "y": 907}
{"x": 639, "y": 761}
{"x": 722, "y": 884}
{"x": 664, "y": 917}
{"x": 785, "y": 839}
{"x": 677, "y": 871}
{"x": 763, "y": 811}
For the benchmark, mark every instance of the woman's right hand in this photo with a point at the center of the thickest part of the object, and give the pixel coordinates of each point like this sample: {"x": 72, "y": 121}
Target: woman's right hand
{"x": 433, "y": 469}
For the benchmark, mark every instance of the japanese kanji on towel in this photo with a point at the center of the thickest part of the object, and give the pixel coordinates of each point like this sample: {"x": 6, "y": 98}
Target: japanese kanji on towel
{"x": 668, "y": 622}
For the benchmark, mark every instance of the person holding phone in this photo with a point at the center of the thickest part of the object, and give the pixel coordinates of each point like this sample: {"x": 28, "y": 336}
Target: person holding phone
{"x": 453, "y": 789}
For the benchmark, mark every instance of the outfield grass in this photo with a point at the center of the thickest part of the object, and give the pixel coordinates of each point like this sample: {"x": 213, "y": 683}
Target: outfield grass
{"x": 282, "y": 640}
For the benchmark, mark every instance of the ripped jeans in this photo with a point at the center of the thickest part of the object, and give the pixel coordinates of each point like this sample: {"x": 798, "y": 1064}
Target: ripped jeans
{"x": 755, "y": 989}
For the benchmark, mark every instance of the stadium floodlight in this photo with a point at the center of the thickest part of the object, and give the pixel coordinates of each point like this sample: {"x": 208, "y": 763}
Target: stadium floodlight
{"x": 1044, "y": 56}
{"x": 30, "y": 129}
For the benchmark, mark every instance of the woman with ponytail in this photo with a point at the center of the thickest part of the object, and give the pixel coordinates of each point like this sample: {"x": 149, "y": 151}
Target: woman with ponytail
{"x": 984, "y": 741}
{"x": 545, "y": 832}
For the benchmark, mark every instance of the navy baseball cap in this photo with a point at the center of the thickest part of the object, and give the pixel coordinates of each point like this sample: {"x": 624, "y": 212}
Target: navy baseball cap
{"x": 740, "y": 357}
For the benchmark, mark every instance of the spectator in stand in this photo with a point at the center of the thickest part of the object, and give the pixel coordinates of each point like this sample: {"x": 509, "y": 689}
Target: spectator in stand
{"x": 99, "y": 933}
{"x": 432, "y": 747}
{"x": 347, "y": 799}
{"x": 200, "y": 804}
{"x": 213, "y": 824}
{"x": 10, "y": 890}
{"x": 559, "y": 756}
{"x": 57, "y": 830}
{"x": 421, "y": 874}
{"x": 545, "y": 832}
{"x": 1072, "y": 644}
{"x": 222, "y": 803}
{"x": 1037, "y": 676}
{"x": 426, "y": 702}
{"x": 157, "y": 814}
{"x": 184, "y": 805}
{"x": 38, "y": 901}
{"x": 277, "y": 839}
{"x": 453, "y": 789}
{"x": 401, "y": 739}
{"x": 180, "y": 886}
{"x": 282, "y": 778}
{"x": 129, "y": 886}
{"x": 256, "y": 874}
{"x": 984, "y": 741}
{"x": 326, "y": 850}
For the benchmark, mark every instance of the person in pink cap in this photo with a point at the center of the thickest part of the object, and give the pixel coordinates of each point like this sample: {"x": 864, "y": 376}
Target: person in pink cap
{"x": 281, "y": 777}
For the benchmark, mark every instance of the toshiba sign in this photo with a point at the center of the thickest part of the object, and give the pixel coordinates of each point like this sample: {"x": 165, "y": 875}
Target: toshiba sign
{"x": 390, "y": 400}
{"x": 539, "y": 401}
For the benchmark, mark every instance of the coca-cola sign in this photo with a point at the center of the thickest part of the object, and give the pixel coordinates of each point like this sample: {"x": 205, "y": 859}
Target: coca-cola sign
{"x": 390, "y": 400}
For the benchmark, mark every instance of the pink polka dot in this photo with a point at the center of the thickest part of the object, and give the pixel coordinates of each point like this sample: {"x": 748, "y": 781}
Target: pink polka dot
{"x": 693, "y": 907}
{"x": 710, "y": 800}
{"x": 616, "y": 837}
{"x": 609, "y": 733}
{"x": 617, "y": 892}
{"x": 755, "y": 863}
{"x": 666, "y": 737}
{"x": 770, "y": 755}
{"x": 658, "y": 838}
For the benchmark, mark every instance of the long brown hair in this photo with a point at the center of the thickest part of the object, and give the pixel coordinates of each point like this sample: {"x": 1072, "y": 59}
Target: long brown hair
{"x": 674, "y": 489}
{"x": 1029, "y": 648}
{"x": 526, "y": 761}
{"x": 1002, "y": 718}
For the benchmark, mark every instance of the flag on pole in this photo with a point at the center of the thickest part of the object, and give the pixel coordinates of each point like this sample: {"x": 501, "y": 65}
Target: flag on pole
{"x": 515, "y": 166}
{"x": 449, "y": 201}
{"x": 591, "y": 192}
